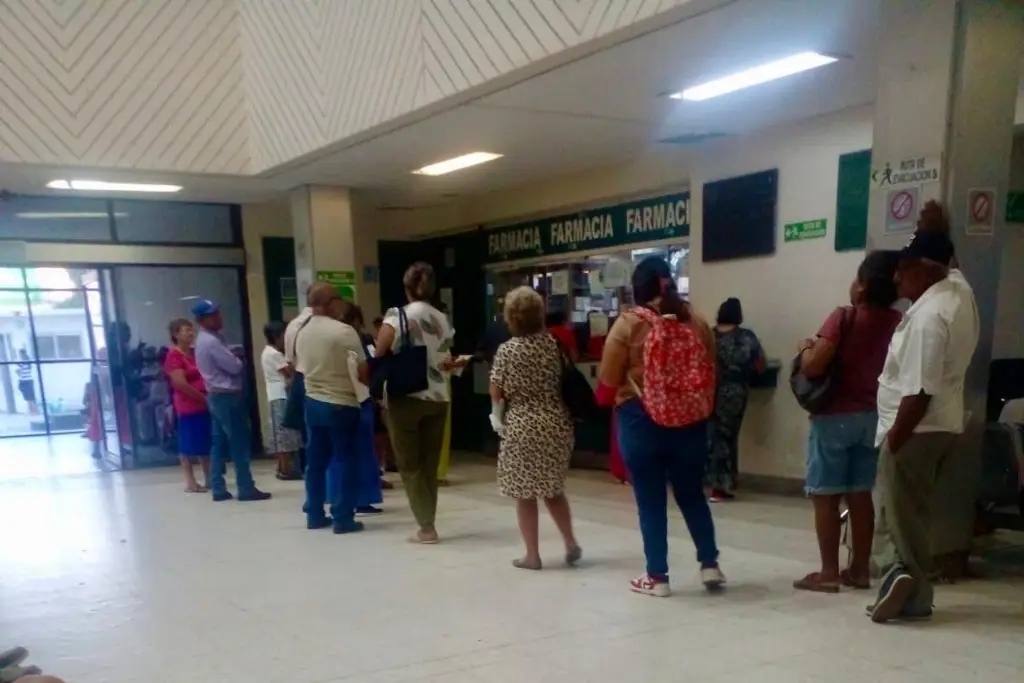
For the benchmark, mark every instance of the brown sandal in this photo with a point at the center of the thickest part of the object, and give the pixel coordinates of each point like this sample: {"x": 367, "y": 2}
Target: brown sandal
{"x": 847, "y": 578}
{"x": 814, "y": 583}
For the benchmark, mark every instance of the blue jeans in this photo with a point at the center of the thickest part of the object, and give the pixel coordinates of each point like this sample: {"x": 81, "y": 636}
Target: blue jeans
{"x": 232, "y": 437}
{"x": 332, "y": 433}
{"x": 656, "y": 457}
{"x": 369, "y": 492}
{"x": 841, "y": 454}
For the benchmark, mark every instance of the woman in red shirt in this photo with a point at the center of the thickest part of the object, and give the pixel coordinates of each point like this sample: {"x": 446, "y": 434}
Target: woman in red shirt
{"x": 188, "y": 394}
{"x": 841, "y": 456}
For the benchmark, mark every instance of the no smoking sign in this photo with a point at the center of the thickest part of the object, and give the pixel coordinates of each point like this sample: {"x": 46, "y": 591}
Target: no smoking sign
{"x": 901, "y": 207}
{"x": 981, "y": 215}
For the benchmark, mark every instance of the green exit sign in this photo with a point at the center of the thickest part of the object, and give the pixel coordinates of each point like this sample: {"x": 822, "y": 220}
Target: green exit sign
{"x": 805, "y": 230}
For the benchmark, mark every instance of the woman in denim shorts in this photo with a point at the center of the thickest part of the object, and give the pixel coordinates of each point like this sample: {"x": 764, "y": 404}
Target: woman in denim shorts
{"x": 841, "y": 454}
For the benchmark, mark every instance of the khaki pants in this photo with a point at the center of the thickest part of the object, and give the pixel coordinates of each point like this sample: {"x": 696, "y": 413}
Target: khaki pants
{"x": 416, "y": 428}
{"x": 906, "y": 482}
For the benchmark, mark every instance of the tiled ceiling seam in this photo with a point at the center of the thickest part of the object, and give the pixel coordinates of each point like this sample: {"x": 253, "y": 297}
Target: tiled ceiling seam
{"x": 154, "y": 84}
{"x": 238, "y": 86}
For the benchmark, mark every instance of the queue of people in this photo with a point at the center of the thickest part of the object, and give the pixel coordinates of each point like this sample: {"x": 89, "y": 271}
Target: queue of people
{"x": 889, "y": 416}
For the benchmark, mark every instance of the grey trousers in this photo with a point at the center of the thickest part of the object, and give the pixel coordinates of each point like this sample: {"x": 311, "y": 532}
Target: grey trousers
{"x": 906, "y": 484}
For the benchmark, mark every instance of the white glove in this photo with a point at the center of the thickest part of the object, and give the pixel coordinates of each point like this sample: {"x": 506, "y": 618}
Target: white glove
{"x": 496, "y": 424}
{"x": 497, "y": 417}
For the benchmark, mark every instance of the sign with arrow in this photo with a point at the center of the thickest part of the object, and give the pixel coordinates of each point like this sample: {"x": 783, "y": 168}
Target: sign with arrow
{"x": 909, "y": 171}
{"x": 806, "y": 230}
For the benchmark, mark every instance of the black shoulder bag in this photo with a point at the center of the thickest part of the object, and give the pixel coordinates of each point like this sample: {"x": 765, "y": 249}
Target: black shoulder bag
{"x": 295, "y": 406}
{"x": 576, "y": 390}
{"x": 402, "y": 372}
{"x": 814, "y": 394}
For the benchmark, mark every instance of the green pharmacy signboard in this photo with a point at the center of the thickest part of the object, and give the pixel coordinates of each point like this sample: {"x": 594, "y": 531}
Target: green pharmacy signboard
{"x": 645, "y": 220}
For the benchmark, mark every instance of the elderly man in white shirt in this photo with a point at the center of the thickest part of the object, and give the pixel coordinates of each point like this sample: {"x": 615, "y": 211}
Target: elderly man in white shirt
{"x": 920, "y": 413}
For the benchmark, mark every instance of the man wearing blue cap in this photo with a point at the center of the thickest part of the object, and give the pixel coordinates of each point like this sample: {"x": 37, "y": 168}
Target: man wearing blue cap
{"x": 224, "y": 375}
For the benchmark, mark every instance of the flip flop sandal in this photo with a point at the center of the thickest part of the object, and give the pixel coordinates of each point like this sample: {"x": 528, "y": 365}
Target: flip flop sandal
{"x": 813, "y": 583}
{"x": 420, "y": 540}
{"x": 523, "y": 564}
{"x": 573, "y": 555}
{"x": 13, "y": 673}
{"x": 847, "y": 580}
{"x": 197, "y": 489}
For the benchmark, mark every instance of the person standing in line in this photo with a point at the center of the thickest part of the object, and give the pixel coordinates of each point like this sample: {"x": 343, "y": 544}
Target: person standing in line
{"x": 370, "y": 487}
{"x": 224, "y": 376}
{"x": 188, "y": 397}
{"x": 416, "y": 422}
{"x": 841, "y": 456}
{"x": 739, "y": 357}
{"x": 537, "y": 433}
{"x": 446, "y": 444}
{"x": 920, "y": 414}
{"x": 322, "y": 350}
{"x": 277, "y": 374}
{"x": 663, "y": 348}
{"x": 26, "y": 382}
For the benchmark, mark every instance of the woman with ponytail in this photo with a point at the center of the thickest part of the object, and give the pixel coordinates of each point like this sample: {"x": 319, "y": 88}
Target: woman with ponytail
{"x": 658, "y": 368}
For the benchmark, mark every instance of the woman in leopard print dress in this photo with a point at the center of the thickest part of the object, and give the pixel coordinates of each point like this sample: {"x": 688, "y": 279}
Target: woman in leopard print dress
{"x": 537, "y": 439}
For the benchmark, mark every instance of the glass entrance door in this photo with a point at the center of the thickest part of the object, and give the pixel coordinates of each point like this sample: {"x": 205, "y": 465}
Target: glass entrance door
{"x": 52, "y": 322}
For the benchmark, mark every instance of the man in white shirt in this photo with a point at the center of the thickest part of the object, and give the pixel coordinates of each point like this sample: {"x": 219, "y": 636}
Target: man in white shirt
{"x": 332, "y": 408}
{"x": 920, "y": 413}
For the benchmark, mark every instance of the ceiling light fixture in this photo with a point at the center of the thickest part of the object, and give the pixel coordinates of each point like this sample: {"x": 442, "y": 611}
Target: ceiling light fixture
{"x": 103, "y": 186}
{"x": 458, "y": 163}
{"x": 781, "y": 68}
{"x": 52, "y": 215}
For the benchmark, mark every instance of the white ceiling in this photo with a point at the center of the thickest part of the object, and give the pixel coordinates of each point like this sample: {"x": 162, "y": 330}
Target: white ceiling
{"x": 599, "y": 108}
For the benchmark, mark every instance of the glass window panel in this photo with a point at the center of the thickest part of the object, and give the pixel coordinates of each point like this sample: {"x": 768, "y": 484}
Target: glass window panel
{"x": 70, "y": 347}
{"x": 173, "y": 222}
{"x": 61, "y": 278}
{"x": 46, "y": 347}
{"x": 20, "y": 411}
{"x": 12, "y": 278}
{"x": 55, "y": 218}
{"x": 65, "y": 387}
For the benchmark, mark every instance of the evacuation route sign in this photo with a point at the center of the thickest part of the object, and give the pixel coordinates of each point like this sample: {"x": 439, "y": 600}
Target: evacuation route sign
{"x": 981, "y": 211}
{"x": 806, "y": 230}
{"x": 343, "y": 280}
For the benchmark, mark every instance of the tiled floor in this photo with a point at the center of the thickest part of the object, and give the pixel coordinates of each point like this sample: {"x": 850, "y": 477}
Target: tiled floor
{"x": 112, "y": 578}
{"x": 41, "y": 457}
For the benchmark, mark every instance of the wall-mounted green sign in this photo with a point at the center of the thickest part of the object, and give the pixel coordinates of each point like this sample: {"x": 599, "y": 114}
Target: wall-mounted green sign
{"x": 806, "y": 230}
{"x": 640, "y": 221}
{"x": 1015, "y": 207}
{"x": 343, "y": 280}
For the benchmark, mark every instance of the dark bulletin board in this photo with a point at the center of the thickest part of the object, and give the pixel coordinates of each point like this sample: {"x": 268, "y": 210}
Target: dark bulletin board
{"x": 853, "y": 193}
{"x": 740, "y": 216}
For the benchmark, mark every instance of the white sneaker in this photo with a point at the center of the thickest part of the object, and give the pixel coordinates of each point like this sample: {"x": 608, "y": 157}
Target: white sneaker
{"x": 648, "y": 585}
{"x": 712, "y": 578}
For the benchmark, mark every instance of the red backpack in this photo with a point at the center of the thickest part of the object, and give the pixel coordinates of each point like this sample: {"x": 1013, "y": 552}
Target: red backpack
{"x": 679, "y": 373}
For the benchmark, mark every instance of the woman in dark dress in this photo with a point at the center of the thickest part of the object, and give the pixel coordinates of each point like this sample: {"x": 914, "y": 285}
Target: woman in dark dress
{"x": 739, "y": 358}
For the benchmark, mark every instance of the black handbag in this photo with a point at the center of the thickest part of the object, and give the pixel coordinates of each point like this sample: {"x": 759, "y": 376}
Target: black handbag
{"x": 402, "y": 372}
{"x": 813, "y": 394}
{"x": 577, "y": 394}
{"x": 295, "y": 406}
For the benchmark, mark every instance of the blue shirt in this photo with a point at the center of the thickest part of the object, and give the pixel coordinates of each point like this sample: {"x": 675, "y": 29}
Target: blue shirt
{"x": 222, "y": 371}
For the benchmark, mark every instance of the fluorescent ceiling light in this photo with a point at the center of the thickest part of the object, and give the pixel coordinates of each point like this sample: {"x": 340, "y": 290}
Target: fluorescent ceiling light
{"x": 756, "y": 76}
{"x": 103, "y": 186}
{"x": 190, "y": 297}
{"x": 458, "y": 163}
{"x": 50, "y": 215}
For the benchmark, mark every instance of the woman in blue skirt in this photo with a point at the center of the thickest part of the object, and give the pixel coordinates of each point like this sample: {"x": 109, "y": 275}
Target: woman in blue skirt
{"x": 370, "y": 494}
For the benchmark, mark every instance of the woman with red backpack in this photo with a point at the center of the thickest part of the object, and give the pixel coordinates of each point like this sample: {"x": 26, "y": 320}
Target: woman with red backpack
{"x": 659, "y": 365}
